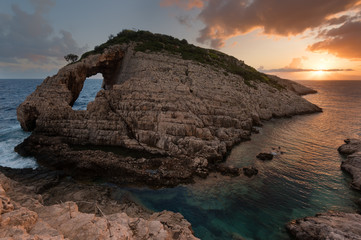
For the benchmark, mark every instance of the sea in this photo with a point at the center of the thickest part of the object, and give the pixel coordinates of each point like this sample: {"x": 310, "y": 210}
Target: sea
{"x": 306, "y": 179}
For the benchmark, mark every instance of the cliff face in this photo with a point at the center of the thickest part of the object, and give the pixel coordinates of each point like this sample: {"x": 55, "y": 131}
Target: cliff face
{"x": 189, "y": 113}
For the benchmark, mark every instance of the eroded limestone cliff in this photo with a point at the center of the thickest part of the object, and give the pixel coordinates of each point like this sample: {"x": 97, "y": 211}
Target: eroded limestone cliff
{"x": 186, "y": 114}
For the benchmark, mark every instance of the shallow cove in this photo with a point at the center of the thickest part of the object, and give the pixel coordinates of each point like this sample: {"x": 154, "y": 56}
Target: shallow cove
{"x": 303, "y": 181}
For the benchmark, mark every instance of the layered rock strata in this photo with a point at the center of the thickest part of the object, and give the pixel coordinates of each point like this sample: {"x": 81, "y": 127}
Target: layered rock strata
{"x": 331, "y": 225}
{"x": 186, "y": 114}
{"x": 24, "y": 216}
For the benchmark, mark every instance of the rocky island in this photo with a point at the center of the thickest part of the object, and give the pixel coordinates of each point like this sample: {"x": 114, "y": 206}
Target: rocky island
{"x": 168, "y": 112}
{"x": 175, "y": 108}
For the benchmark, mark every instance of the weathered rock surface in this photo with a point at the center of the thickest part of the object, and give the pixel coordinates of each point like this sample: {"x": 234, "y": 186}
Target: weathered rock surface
{"x": 331, "y": 225}
{"x": 158, "y": 103}
{"x": 352, "y": 164}
{"x": 28, "y": 218}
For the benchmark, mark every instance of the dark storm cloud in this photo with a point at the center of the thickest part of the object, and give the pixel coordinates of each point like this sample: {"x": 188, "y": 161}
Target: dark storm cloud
{"x": 29, "y": 36}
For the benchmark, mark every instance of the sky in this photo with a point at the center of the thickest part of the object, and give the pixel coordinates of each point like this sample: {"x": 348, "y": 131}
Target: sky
{"x": 294, "y": 39}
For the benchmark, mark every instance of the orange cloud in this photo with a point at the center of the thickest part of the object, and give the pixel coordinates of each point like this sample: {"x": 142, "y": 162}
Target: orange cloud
{"x": 344, "y": 41}
{"x": 296, "y": 63}
{"x": 227, "y": 18}
{"x": 186, "y": 4}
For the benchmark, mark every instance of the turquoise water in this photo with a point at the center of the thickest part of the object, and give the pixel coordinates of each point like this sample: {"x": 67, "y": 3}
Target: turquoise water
{"x": 306, "y": 179}
{"x": 303, "y": 181}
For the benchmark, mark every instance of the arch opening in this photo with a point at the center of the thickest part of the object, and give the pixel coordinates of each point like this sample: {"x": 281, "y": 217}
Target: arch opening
{"x": 88, "y": 93}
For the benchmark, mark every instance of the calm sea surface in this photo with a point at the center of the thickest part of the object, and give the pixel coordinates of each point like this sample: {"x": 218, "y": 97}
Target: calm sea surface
{"x": 306, "y": 179}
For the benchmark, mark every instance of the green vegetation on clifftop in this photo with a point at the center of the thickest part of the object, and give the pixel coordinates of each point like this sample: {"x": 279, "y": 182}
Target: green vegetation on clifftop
{"x": 149, "y": 42}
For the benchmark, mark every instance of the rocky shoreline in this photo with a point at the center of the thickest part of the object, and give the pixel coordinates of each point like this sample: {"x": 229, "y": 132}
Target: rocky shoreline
{"x": 352, "y": 163}
{"x": 335, "y": 225}
{"x": 45, "y": 204}
{"x": 330, "y": 225}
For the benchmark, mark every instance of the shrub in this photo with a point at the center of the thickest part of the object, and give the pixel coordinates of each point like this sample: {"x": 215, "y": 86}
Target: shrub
{"x": 147, "y": 41}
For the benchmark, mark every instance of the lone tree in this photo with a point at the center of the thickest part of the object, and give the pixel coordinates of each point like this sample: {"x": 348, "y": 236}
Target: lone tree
{"x": 71, "y": 58}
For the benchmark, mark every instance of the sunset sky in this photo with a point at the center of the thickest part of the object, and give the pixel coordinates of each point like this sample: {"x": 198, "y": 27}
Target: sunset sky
{"x": 295, "y": 39}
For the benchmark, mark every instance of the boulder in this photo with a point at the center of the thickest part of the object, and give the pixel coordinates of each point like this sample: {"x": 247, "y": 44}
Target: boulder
{"x": 265, "y": 156}
{"x": 330, "y": 225}
{"x": 250, "y": 171}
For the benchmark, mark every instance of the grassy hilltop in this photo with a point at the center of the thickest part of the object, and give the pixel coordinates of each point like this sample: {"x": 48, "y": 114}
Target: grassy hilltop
{"x": 150, "y": 42}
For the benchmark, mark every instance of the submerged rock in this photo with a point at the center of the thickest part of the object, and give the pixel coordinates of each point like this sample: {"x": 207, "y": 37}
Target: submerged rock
{"x": 265, "y": 156}
{"x": 177, "y": 107}
{"x": 250, "y": 171}
{"x": 227, "y": 170}
{"x": 331, "y": 225}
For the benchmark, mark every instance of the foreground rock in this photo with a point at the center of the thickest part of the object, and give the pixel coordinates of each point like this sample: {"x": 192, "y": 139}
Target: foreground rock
{"x": 352, "y": 164}
{"x": 175, "y": 109}
{"x": 24, "y": 216}
{"x": 331, "y": 225}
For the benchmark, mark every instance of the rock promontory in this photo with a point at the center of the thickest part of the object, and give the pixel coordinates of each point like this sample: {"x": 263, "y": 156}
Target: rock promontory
{"x": 330, "y": 225}
{"x": 179, "y": 107}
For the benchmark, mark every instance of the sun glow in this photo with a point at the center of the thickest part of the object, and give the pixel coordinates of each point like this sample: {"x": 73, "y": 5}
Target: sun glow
{"x": 319, "y": 72}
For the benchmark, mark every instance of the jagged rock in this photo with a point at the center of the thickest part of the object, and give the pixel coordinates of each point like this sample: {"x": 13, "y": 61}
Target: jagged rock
{"x": 250, "y": 171}
{"x": 65, "y": 221}
{"x": 331, "y": 225}
{"x": 265, "y": 156}
{"x": 352, "y": 163}
{"x": 350, "y": 146}
{"x": 154, "y": 102}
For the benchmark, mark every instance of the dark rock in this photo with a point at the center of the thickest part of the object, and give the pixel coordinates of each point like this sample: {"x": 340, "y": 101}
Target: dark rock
{"x": 250, "y": 171}
{"x": 154, "y": 171}
{"x": 228, "y": 171}
{"x": 351, "y": 146}
{"x": 352, "y": 163}
{"x": 255, "y": 130}
{"x": 265, "y": 156}
{"x": 330, "y": 225}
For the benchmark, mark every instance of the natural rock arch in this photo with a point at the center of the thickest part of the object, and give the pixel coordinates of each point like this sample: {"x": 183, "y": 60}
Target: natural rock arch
{"x": 63, "y": 89}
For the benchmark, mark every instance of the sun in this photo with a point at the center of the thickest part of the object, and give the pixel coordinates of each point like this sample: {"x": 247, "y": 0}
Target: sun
{"x": 319, "y": 72}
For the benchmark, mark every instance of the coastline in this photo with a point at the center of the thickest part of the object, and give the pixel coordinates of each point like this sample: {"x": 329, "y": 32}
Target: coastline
{"x": 335, "y": 225}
